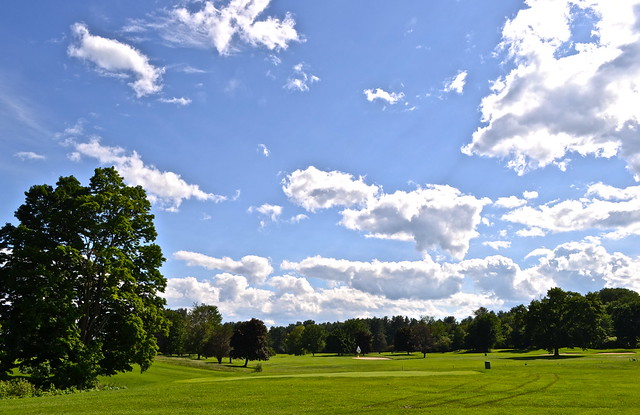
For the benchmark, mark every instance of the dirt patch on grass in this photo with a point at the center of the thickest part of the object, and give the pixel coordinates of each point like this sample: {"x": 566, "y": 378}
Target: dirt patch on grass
{"x": 371, "y": 358}
{"x": 617, "y": 353}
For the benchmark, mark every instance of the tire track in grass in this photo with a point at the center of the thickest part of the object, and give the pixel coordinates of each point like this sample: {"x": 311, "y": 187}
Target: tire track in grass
{"x": 523, "y": 393}
{"x": 392, "y": 373}
{"x": 484, "y": 386}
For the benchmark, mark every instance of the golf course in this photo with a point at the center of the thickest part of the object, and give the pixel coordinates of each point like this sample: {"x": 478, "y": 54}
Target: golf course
{"x": 579, "y": 382}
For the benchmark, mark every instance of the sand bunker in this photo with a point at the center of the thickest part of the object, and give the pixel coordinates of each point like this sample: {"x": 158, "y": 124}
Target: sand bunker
{"x": 617, "y": 353}
{"x": 371, "y": 358}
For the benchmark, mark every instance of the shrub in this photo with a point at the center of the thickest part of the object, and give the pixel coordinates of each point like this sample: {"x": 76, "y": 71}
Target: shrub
{"x": 16, "y": 388}
{"x": 258, "y": 368}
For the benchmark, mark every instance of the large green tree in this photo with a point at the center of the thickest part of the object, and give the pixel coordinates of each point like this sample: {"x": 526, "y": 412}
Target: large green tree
{"x": 313, "y": 338}
{"x": 250, "y": 341}
{"x": 483, "y": 331}
{"x": 565, "y": 319}
{"x": 79, "y": 282}
{"x": 202, "y": 320}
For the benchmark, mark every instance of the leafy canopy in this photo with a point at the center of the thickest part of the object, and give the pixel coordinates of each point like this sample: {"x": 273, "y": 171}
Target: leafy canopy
{"x": 79, "y": 282}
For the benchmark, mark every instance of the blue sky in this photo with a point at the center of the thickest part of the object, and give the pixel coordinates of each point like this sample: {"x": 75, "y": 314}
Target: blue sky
{"x": 328, "y": 160}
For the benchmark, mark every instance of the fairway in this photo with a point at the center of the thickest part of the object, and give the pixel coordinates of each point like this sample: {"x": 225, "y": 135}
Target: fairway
{"x": 517, "y": 383}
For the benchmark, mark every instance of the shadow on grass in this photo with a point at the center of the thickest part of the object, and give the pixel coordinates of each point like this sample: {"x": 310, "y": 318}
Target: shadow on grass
{"x": 544, "y": 357}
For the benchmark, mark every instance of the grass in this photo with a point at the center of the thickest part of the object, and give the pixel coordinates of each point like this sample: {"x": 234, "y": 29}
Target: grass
{"x": 517, "y": 383}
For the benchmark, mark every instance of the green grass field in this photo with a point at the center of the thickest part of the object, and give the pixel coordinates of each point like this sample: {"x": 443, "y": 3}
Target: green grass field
{"x": 517, "y": 383}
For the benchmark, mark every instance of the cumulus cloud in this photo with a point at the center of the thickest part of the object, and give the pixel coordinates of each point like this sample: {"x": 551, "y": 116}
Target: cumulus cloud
{"x": 457, "y": 83}
{"x": 566, "y": 93}
{"x": 165, "y": 188}
{"x": 604, "y": 208}
{"x": 227, "y": 25}
{"x": 29, "y": 155}
{"x": 390, "y": 98}
{"x": 423, "y": 279}
{"x": 114, "y": 58}
{"x": 315, "y": 189}
{"x": 587, "y": 266}
{"x": 300, "y": 79}
{"x": 255, "y": 268}
{"x": 434, "y": 217}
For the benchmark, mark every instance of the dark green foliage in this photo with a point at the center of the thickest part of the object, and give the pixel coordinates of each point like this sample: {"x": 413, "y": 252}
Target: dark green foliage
{"x": 201, "y": 321}
{"x": 173, "y": 342}
{"x": 79, "y": 282}
{"x": 422, "y": 337}
{"x": 250, "y": 341}
{"x": 402, "y": 341}
{"x": 565, "y": 319}
{"x": 483, "y": 331}
{"x": 219, "y": 344}
{"x": 293, "y": 341}
{"x": 313, "y": 338}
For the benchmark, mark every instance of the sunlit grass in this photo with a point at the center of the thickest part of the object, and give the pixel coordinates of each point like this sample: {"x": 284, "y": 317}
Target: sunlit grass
{"x": 517, "y": 383}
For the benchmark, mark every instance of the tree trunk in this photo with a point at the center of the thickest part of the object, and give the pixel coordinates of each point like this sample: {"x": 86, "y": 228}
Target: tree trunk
{"x": 246, "y": 362}
{"x": 556, "y": 352}
{"x": 424, "y": 355}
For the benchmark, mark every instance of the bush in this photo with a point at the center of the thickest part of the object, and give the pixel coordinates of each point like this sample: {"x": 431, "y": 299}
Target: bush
{"x": 258, "y": 367}
{"x": 16, "y": 388}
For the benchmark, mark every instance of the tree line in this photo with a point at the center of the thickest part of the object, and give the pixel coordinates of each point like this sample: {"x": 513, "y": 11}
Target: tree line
{"x": 607, "y": 318}
{"x": 80, "y": 286}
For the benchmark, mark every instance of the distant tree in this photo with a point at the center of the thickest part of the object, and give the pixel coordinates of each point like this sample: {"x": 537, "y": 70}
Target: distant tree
{"x": 402, "y": 341}
{"x": 422, "y": 337}
{"x": 173, "y": 342}
{"x": 514, "y": 328}
{"x": 250, "y": 341}
{"x": 201, "y": 321}
{"x": 565, "y": 319}
{"x": 380, "y": 342}
{"x": 441, "y": 339}
{"x": 293, "y": 341}
{"x": 277, "y": 335}
{"x": 219, "y": 344}
{"x": 626, "y": 323}
{"x": 363, "y": 340}
{"x": 483, "y": 331}
{"x": 80, "y": 282}
{"x": 313, "y": 338}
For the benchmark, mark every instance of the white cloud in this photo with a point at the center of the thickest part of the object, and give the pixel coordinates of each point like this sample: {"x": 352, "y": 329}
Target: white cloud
{"x": 300, "y": 79}
{"x": 262, "y": 149}
{"x": 166, "y": 188}
{"x": 604, "y": 207}
{"x": 29, "y": 155}
{"x": 393, "y": 280}
{"x": 509, "y": 202}
{"x": 457, "y": 83}
{"x": 270, "y": 213}
{"x": 390, "y": 98}
{"x": 497, "y": 244}
{"x": 112, "y": 57}
{"x": 587, "y": 266}
{"x": 435, "y": 217}
{"x": 565, "y": 94}
{"x": 182, "y": 101}
{"x": 255, "y": 268}
{"x": 225, "y": 26}
{"x": 315, "y": 189}
{"x": 530, "y": 195}
{"x": 298, "y": 218}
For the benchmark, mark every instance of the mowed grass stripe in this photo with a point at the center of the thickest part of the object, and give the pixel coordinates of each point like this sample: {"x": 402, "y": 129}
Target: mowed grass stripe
{"x": 390, "y": 373}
